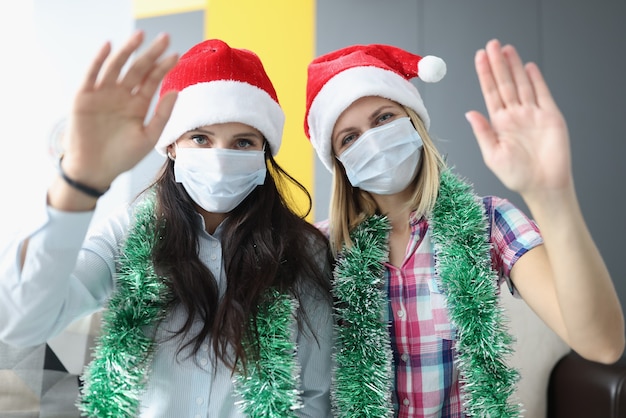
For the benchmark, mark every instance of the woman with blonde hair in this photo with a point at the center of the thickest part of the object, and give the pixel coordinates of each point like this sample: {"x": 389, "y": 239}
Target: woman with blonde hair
{"x": 420, "y": 257}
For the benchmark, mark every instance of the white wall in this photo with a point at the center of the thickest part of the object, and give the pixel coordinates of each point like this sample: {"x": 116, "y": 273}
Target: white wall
{"x": 46, "y": 47}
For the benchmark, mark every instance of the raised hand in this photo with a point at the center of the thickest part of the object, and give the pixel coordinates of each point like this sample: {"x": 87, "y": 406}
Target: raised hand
{"x": 525, "y": 142}
{"x": 107, "y": 132}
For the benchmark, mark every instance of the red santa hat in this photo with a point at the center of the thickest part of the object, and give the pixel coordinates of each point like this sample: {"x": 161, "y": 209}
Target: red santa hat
{"x": 219, "y": 84}
{"x": 337, "y": 79}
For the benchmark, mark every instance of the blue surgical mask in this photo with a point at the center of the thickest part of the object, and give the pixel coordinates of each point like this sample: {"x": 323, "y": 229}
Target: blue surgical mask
{"x": 384, "y": 159}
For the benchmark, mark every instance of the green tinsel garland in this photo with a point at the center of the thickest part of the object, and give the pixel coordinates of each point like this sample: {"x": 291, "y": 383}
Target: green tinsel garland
{"x": 463, "y": 265}
{"x": 115, "y": 379}
{"x": 268, "y": 389}
{"x": 363, "y": 377}
{"x": 464, "y": 269}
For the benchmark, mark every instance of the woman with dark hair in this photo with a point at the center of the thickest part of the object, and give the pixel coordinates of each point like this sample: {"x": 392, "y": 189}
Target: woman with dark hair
{"x": 216, "y": 293}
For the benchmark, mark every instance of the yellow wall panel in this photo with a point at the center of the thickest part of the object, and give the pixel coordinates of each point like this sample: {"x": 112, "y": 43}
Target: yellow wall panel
{"x": 152, "y": 8}
{"x": 281, "y": 32}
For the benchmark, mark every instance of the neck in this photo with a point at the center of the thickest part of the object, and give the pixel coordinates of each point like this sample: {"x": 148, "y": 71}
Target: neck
{"x": 395, "y": 208}
{"x": 211, "y": 220}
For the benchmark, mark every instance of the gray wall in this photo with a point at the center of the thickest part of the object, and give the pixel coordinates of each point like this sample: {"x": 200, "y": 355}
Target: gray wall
{"x": 579, "y": 45}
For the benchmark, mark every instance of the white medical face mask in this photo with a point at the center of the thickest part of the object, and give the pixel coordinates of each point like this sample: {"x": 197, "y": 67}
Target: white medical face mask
{"x": 384, "y": 159}
{"x": 219, "y": 179}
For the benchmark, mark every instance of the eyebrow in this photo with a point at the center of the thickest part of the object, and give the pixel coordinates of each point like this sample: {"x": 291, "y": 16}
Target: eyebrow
{"x": 245, "y": 134}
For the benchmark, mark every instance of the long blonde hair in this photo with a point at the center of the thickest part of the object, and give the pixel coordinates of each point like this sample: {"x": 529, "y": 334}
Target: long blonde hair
{"x": 349, "y": 206}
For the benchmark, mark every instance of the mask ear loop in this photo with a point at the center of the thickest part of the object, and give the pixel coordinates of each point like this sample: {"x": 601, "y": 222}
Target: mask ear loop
{"x": 267, "y": 152}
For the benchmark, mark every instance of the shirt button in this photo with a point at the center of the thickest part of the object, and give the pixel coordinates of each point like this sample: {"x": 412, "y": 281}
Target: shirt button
{"x": 405, "y": 357}
{"x": 199, "y": 400}
{"x": 204, "y": 361}
{"x": 204, "y": 347}
{"x": 214, "y": 244}
{"x": 406, "y": 402}
{"x": 400, "y": 314}
{"x": 213, "y": 257}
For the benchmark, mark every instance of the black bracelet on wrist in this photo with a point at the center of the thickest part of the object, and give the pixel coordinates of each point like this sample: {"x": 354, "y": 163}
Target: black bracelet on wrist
{"x": 90, "y": 191}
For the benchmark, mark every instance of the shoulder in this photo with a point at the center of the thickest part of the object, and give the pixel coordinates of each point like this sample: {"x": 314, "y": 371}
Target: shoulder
{"x": 511, "y": 231}
{"x": 317, "y": 244}
{"x": 114, "y": 227}
{"x": 495, "y": 203}
{"x": 323, "y": 227}
{"x": 502, "y": 213}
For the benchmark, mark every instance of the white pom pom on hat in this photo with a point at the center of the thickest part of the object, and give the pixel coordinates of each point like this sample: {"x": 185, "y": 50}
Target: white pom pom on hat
{"x": 431, "y": 69}
{"x": 220, "y": 84}
{"x": 335, "y": 80}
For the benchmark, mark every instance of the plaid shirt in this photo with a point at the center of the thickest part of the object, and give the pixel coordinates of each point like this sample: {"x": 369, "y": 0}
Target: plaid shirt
{"x": 422, "y": 338}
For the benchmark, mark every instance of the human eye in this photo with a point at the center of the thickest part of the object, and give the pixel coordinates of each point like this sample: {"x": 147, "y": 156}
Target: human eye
{"x": 348, "y": 140}
{"x": 384, "y": 118}
{"x": 247, "y": 143}
{"x": 199, "y": 139}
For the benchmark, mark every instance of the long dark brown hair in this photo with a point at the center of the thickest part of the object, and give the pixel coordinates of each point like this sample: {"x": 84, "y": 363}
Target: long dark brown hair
{"x": 265, "y": 244}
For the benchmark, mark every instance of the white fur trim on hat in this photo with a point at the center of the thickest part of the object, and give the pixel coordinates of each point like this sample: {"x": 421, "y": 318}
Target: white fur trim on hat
{"x": 346, "y": 87}
{"x": 221, "y": 102}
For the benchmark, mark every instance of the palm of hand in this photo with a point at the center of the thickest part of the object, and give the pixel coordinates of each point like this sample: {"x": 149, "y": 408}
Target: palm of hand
{"x": 525, "y": 142}
{"x": 531, "y": 152}
{"x": 108, "y": 133}
{"x": 113, "y": 120}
